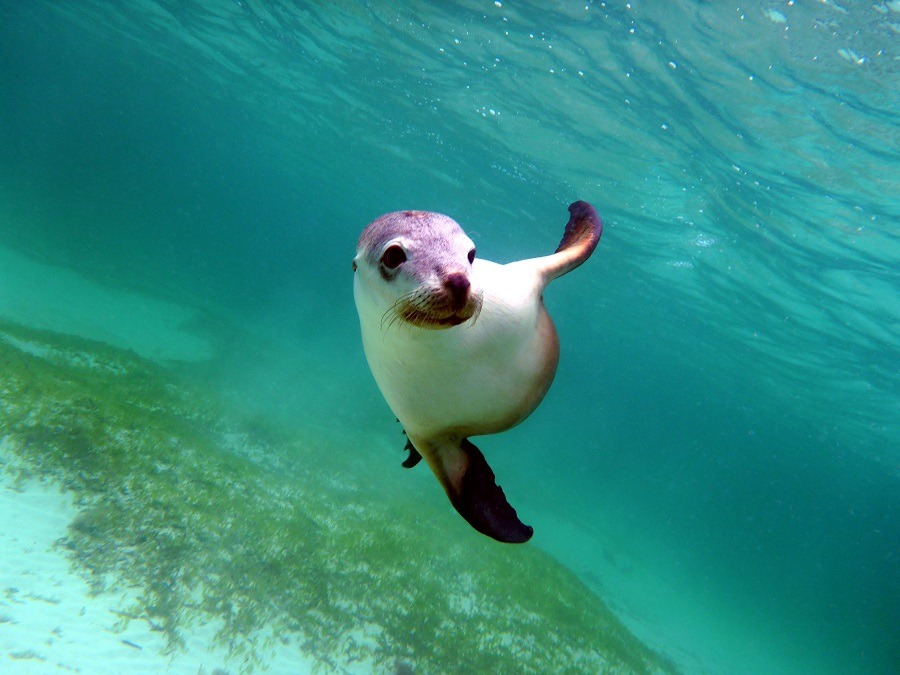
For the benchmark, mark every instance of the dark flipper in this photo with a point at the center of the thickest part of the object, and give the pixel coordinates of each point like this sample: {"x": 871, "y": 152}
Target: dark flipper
{"x": 583, "y": 229}
{"x": 482, "y": 502}
{"x": 473, "y": 491}
{"x": 414, "y": 456}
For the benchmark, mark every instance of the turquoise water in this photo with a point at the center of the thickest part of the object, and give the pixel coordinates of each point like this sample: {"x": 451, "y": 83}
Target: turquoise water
{"x": 718, "y": 457}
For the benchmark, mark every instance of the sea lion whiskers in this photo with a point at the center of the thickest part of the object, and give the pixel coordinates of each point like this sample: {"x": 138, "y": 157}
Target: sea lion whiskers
{"x": 417, "y": 308}
{"x": 392, "y": 314}
{"x": 399, "y": 312}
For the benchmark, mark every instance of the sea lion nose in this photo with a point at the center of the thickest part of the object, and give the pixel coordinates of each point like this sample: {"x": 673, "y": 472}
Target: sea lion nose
{"x": 457, "y": 284}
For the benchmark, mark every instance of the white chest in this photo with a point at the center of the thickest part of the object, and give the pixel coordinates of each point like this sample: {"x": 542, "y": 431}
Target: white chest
{"x": 476, "y": 378}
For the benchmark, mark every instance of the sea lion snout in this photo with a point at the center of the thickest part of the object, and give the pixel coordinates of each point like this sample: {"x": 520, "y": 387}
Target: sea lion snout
{"x": 449, "y": 302}
{"x": 457, "y": 285}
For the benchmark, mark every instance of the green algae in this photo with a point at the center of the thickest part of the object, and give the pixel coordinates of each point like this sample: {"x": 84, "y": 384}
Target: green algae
{"x": 278, "y": 541}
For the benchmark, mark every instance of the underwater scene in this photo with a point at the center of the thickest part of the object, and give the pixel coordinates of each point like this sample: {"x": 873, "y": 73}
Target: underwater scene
{"x": 199, "y": 472}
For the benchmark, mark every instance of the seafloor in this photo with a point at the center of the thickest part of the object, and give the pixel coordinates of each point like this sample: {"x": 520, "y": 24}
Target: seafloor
{"x": 284, "y": 545}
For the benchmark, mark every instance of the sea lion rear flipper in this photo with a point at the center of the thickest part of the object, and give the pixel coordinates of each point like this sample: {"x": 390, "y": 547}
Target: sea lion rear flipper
{"x": 579, "y": 240}
{"x": 472, "y": 488}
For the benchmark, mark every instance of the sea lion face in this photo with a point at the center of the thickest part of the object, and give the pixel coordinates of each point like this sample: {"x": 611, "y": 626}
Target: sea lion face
{"x": 415, "y": 267}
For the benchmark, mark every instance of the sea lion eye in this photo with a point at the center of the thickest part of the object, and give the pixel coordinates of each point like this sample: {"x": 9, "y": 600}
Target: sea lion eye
{"x": 393, "y": 257}
{"x": 471, "y": 256}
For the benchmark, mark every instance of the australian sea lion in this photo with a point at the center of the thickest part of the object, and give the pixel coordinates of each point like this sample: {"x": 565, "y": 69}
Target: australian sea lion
{"x": 460, "y": 346}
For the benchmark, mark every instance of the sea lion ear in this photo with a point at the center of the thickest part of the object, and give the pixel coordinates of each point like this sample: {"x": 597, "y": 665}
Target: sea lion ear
{"x": 472, "y": 488}
{"x": 579, "y": 240}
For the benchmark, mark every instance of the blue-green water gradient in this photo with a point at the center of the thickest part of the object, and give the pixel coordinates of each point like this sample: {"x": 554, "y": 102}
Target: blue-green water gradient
{"x": 718, "y": 457}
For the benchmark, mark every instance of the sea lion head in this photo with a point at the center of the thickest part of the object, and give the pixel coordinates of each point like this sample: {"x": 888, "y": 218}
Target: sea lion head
{"x": 416, "y": 267}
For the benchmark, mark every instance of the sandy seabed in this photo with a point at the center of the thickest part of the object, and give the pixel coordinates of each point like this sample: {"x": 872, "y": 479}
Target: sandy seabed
{"x": 51, "y": 622}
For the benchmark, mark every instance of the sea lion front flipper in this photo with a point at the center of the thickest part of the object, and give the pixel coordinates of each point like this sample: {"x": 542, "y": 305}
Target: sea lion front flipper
{"x": 579, "y": 240}
{"x": 414, "y": 456}
{"x": 472, "y": 488}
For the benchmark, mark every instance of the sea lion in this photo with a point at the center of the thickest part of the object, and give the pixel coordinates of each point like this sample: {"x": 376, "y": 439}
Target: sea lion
{"x": 460, "y": 346}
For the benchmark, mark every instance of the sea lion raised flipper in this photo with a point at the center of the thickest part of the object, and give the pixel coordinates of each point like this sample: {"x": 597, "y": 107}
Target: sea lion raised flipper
{"x": 470, "y": 484}
{"x": 581, "y": 237}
